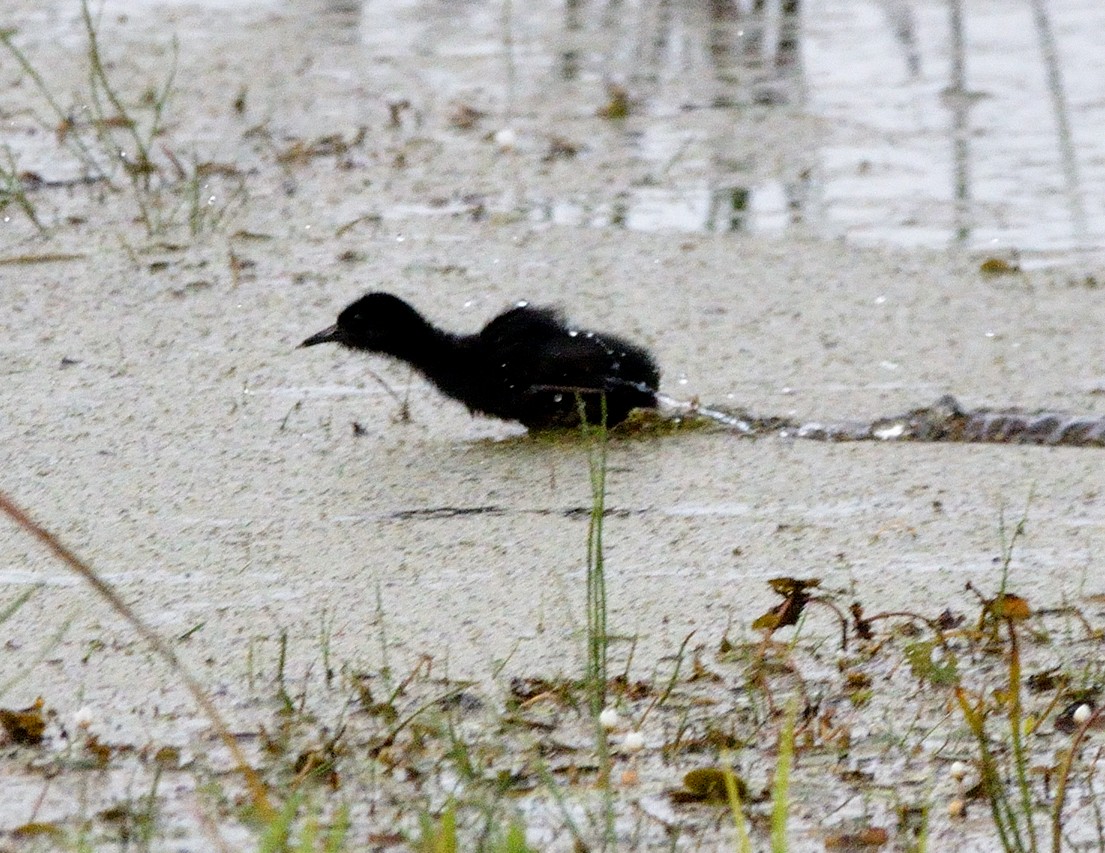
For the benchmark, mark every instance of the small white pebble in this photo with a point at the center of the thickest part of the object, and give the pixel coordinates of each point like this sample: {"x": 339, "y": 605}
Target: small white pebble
{"x": 889, "y": 433}
{"x": 1081, "y": 714}
{"x": 634, "y": 742}
{"x": 958, "y": 771}
{"x": 83, "y": 718}
{"x": 506, "y": 139}
{"x": 608, "y": 719}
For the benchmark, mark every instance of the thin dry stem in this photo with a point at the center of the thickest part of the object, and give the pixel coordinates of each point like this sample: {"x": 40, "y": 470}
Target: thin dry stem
{"x": 107, "y": 592}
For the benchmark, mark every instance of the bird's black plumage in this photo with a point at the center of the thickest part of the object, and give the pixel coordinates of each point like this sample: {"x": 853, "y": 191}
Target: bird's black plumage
{"x": 526, "y": 365}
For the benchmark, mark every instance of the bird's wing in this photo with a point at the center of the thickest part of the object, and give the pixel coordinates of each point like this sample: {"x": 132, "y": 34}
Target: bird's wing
{"x": 522, "y": 325}
{"x": 581, "y": 361}
{"x": 536, "y": 350}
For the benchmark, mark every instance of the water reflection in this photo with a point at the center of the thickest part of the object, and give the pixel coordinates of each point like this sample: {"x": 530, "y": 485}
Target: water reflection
{"x": 985, "y": 137}
{"x": 916, "y": 122}
{"x": 910, "y": 122}
{"x": 1049, "y": 51}
{"x": 958, "y": 100}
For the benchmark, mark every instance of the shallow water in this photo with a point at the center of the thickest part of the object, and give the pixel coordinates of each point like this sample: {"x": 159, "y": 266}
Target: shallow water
{"x": 927, "y": 123}
{"x": 175, "y": 437}
{"x": 978, "y": 125}
{"x": 934, "y": 124}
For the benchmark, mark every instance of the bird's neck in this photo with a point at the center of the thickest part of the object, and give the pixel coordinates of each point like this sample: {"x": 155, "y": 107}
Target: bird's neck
{"x": 440, "y": 356}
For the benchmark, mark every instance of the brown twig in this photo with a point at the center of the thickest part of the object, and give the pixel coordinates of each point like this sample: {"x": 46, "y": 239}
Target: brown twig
{"x": 108, "y": 593}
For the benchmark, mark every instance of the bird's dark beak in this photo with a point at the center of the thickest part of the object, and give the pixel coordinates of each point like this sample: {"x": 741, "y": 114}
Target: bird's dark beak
{"x": 331, "y": 334}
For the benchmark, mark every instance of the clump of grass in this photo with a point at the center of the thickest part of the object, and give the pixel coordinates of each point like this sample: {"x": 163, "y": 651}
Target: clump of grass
{"x": 112, "y": 120}
{"x": 1005, "y": 782}
{"x": 286, "y": 833}
{"x": 597, "y": 673}
{"x": 13, "y": 190}
{"x": 440, "y": 769}
{"x": 1011, "y": 805}
{"x": 441, "y": 835}
{"x": 115, "y": 137}
{"x": 780, "y": 789}
{"x": 597, "y": 639}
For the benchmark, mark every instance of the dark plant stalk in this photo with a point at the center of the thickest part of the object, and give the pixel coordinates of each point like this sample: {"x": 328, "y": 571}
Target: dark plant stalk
{"x": 596, "y": 578}
{"x": 1016, "y": 731}
{"x": 1004, "y": 821}
{"x": 1063, "y": 779}
{"x": 107, "y": 592}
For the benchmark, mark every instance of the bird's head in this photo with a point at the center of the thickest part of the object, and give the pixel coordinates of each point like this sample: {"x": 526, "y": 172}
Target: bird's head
{"x": 377, "y": 322}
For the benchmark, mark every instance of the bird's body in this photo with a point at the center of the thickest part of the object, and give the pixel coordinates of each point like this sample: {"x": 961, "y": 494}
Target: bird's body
{"x": 525, "y": 365}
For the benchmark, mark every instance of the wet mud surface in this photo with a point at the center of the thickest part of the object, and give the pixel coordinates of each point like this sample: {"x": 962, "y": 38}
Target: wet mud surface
{"x": 699, "y": 181}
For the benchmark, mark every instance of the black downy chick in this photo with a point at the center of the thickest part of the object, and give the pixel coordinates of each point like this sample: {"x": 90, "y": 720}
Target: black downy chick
{"x": 526, "y": 365}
